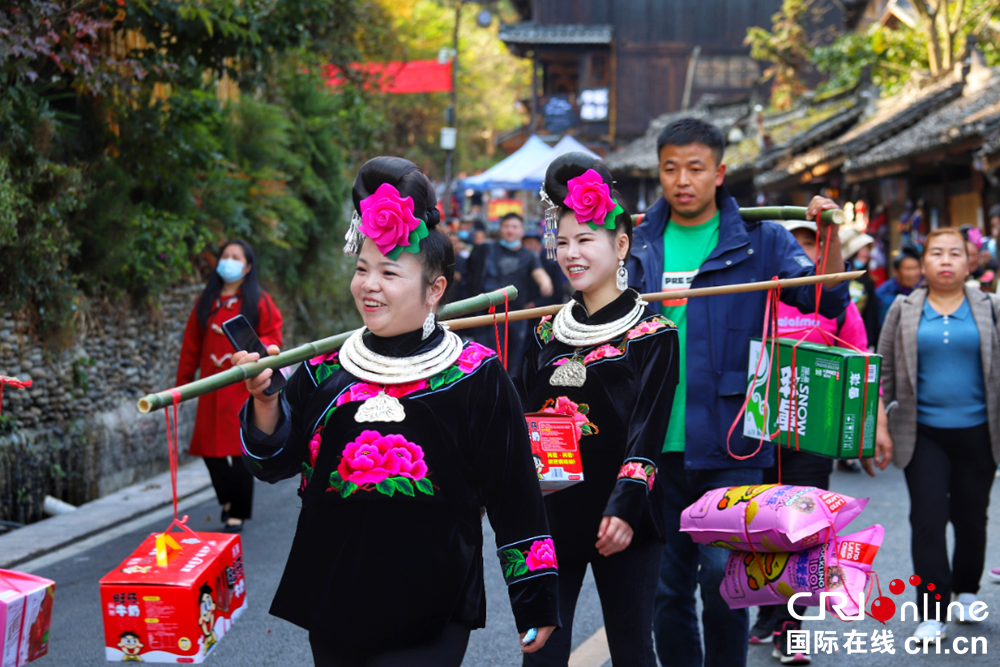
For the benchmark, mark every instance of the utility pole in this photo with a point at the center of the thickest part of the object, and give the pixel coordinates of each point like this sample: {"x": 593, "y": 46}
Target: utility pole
{"x": 449, "y": 132}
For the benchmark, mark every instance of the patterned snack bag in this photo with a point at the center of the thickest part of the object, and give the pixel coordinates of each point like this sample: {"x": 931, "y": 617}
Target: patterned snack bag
{"x": 840, "y": 566}
{"x": 770, "y": 517}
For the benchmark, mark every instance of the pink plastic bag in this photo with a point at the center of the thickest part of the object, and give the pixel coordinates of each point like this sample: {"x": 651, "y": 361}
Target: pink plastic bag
{"x": 773, "y": 517}
{"x": 773, "y": 578}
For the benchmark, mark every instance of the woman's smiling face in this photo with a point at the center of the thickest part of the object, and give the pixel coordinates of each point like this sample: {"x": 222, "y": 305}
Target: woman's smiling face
{"x": 391, "y": 295}
{"x": 588, "y": 257}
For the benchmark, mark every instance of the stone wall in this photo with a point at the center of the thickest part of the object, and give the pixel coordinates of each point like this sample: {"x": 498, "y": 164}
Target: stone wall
{"x": 76, "y": 433}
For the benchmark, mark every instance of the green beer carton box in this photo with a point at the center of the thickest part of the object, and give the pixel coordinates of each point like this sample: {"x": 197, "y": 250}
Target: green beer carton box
{"x": 827, "y": 406}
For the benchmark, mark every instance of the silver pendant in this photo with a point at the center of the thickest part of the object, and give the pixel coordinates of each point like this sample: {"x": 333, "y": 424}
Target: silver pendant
{"x": 380, "y": 408}
{"x": 571, "y": 374}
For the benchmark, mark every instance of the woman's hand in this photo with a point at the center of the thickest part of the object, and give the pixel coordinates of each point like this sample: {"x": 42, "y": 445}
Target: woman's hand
{"x": 539, "y": 641}
{"x": 257, "y": 385}
{"x": 613, "y": 536}
{"x": 883, "y": 443}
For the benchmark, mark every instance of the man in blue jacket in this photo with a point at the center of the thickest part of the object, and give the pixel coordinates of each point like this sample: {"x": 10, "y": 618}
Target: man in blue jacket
{"x": 694, "y": 237}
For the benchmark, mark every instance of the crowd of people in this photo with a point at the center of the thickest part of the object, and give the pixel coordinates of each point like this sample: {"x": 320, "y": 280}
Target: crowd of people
{"x": 405, "y": 438}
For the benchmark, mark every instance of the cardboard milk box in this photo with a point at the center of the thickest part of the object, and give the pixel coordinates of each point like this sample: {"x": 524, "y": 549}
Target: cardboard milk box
{"x": 555, "y": 449}
{"x": 176, "y": 604}
{"x": 827, "y": 406}
{"x": 25, "y": 617}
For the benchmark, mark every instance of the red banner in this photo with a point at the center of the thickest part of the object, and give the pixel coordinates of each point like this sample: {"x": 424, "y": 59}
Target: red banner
{"x": 397, "y": 77}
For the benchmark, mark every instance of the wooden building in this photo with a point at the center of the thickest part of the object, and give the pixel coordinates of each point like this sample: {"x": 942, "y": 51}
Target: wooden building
{"x": 605, "y": 68}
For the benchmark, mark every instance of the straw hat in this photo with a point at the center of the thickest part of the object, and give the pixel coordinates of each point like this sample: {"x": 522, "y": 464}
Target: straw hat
{"x": 851, "y": 240}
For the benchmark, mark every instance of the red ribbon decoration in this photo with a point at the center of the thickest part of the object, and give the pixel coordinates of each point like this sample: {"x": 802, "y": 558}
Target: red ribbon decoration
{"x": 14, "y": 382}
{"x": 496, "y": 329}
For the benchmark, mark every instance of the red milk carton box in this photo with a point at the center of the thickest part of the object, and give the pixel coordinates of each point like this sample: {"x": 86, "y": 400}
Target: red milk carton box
{"x": 556, "y": 450}
{"x": 25, "y": 617}
{"x": 176, "y": 603}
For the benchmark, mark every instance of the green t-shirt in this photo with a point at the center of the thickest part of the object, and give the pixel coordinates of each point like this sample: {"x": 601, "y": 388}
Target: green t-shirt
{"x": 685, "y": 249}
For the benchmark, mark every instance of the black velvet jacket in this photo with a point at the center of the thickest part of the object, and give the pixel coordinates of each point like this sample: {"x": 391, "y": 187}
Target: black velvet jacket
{"x": 389, "y": 542}
{"x": 622, "y": 411}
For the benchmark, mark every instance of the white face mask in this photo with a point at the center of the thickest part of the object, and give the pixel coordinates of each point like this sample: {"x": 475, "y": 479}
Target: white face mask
{"x": 230, "y": 270}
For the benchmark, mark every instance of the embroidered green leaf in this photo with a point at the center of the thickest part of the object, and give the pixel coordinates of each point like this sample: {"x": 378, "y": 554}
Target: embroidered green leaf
{"x": 513, "y": 555}
{"x": 425, "y": 486}
{"x": 348, "y": 489}
{"x": 307, "y": 472}
{"x": 452, "y": 374}
{"x": 520, "y": 569}
{"x": 323, "y": 371}
{"x": 587, "y": 429}
{"x": 335, "y": 481}
{"x": 437, "y": 381}
{"x": 403, "y": 485}
{"x": 583, "y": 408}
{"x": 508, "y": 570}
{"x": 386, "y": 486}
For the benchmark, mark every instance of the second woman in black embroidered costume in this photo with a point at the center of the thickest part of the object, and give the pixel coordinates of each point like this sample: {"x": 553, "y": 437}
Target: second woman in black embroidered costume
{"x": 609, "y": 362}
{"x": 399, "y": 438}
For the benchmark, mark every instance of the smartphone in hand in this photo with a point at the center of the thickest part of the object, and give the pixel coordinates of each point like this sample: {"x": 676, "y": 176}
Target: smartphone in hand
{"x": 242, "y": 336}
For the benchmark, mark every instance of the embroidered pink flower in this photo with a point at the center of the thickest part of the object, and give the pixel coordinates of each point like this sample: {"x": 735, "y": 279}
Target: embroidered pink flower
{"x": 360, "y": 391}
{"x": 603, "y": 352}
{"x": 647, "y": 327}
{"x": 314, "y": 444}
{"x": 473, "y": 356}
{"x": 560, "y": 362}
{"x": 387, "y": 218}
{"x": 637, "y": 471}
{"x": 366, "y": 460}
{"x": 564, "y": 406}
{"x": 410, "y": 455}
{"x": 323, "y": 358}
{"x": 542, "y": 555}
{"x": 401, "y": 390}
{"x": 589, "y": 197}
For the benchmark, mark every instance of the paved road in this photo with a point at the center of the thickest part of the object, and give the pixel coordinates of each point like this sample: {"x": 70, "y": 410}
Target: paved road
{"x": 260, "y": 639}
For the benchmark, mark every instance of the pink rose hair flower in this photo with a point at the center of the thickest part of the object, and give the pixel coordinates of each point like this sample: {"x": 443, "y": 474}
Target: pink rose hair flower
{"x": 541, "y": 555}
{"x": 387, "y": 219}
{"x": 590, "y": 198}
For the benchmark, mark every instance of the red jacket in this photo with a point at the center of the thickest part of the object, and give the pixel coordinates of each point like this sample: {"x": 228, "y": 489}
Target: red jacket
{"x": 217, "y": 426}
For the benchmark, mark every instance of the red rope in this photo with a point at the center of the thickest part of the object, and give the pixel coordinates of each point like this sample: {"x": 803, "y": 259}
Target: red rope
{"x": 14, "y": 382}
{"x": 496, "y": 329}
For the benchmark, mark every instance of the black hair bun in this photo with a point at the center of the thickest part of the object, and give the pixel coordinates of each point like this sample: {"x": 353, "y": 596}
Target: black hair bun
{"x": 432, "y": 217}
{"x": 569, "y": 166}
{"x": 403, "y": 175}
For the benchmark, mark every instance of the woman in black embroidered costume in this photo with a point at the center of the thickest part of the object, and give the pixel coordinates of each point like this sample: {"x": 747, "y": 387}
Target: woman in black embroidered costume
{"x": 609, "y": 362}
{"x": 400, "y": 437}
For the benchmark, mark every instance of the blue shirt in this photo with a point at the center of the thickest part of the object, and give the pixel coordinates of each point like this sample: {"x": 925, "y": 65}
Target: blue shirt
{"x": 950, "y": 389}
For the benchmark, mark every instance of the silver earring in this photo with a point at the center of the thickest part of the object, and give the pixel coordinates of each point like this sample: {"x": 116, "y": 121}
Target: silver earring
{"x": 354, "y": 237}
{"x": 429, "y": 325}
{"x": 621, "y": 278}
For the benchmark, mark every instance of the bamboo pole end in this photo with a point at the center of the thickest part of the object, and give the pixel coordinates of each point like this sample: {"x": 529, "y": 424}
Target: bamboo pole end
{"x": 837, "y": 217}
{"x": 144, "y": 405}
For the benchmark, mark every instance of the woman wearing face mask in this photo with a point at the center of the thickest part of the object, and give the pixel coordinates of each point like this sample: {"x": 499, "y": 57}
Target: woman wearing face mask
{"x": 232, "y": 290}
{"x": 400, "y": 437}
{"x": 607, "y": 360}
{"x": 940, "y": 352}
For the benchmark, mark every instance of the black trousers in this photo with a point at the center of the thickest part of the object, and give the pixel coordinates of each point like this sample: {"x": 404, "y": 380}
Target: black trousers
{"x": 798, "y": 469}
{"x": 233, "y": 484}
{"x": 949, "y": 479}
{"x": 626, "y": 584}
{"x": 445, "y": 650}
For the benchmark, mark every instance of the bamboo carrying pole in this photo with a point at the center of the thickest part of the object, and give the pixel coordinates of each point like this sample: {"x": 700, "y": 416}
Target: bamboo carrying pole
{"x": 307, "y": 351}
{"x": 760, "y": 213}
{"x": 531, "y": 313}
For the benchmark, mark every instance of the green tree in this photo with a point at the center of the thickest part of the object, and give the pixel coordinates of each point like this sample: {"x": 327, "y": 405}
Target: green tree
{"x": 890, "y": 55}
{"x": 787, "y": 47}
{"x": 944, "y": 23}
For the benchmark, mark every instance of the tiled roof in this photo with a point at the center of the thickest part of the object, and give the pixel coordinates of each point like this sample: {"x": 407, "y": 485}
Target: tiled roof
{"x": 975, "y": 113}
{"x": 532, "y": 33}
{"x": 891, "y": 116}
{"x": 640, "y": 155}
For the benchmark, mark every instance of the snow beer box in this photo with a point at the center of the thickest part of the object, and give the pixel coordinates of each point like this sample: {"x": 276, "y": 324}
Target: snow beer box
{"x": 25, "y": 617}
{"x": 828, "y": 405}
{"x": 174, "y": 608}
{"x": 555, "y": 447}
